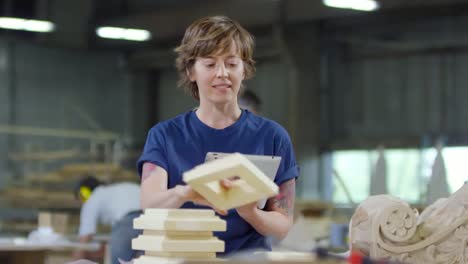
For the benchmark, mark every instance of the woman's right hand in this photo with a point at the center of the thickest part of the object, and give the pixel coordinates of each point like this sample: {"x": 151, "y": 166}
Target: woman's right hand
{"x": 189, "y": 194}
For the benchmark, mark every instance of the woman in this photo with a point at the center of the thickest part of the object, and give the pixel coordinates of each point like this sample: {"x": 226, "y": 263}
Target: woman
{"x": 215, "y": 56}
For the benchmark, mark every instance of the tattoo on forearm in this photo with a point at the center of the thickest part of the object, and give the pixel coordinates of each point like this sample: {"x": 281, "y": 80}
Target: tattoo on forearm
{"x": 285, "y": 199}
{"x": 148, "y": 168}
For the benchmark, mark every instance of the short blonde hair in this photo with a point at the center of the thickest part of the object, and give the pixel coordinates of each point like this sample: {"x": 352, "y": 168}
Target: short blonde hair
{"x": 208, "y": 36}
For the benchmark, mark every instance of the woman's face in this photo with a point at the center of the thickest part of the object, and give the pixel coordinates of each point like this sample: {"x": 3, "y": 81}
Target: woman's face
{"x": 218, "y": 77}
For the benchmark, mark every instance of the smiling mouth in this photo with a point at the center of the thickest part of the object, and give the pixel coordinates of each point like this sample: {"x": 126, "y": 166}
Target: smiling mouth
{"x": 222, "y": 86}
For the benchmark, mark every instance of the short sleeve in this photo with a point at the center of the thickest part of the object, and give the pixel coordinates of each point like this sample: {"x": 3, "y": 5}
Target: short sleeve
{"x": 154, "y": 150}
{"x": 288, "y": 168}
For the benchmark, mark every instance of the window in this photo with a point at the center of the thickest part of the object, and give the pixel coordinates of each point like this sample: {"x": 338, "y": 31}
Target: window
{"x": 353, "y": 166}
{"x": 408, "y": 172}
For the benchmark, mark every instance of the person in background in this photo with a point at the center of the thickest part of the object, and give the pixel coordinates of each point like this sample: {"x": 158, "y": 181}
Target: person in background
{"x": 250, "y": 101}
{"x": 114, "y": 204}
{"x": 214, "y": 58}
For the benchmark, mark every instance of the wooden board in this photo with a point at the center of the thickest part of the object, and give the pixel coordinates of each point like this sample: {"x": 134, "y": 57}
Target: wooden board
{"x": 189, "y": 255}
{"x": 164, "y": 244}
{"x": 163, "y": 213}
{"x": 179, "y": 220}
{"x": 155, "y": 260}
{"x": 57, "y": 221}
{"x": 39, "y": 198}
{"x": 178, "y": 234}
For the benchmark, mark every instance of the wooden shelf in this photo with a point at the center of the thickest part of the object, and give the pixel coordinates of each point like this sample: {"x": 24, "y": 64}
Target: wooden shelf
{"x": 29, "y": 197}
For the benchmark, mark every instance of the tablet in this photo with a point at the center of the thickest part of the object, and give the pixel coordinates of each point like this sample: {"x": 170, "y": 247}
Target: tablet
{"x": 267, "y": 164}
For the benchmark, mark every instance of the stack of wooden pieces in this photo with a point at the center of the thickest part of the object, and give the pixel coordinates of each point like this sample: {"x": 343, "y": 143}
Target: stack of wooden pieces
{"x": 173, "y": 234}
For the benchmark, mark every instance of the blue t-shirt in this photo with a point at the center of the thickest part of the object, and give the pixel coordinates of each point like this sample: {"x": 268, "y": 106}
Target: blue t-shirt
{"x": 181, "y": 143}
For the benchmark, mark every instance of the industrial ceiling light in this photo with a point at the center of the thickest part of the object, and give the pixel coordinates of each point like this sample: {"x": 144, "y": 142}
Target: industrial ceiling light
{"x": 26, "y": 24}
{"x": 361, "y": 5}
{"x": 123, "y": 33}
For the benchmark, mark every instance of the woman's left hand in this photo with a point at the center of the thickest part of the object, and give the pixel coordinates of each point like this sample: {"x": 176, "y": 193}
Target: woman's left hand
{"x": 244, "y": 210}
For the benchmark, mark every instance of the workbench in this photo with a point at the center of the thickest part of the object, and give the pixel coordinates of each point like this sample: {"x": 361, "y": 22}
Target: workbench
{"x": 17, "y": 251}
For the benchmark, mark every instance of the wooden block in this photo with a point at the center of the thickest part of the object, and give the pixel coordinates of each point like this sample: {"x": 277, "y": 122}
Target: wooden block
{"x": 163, "y": 244}
{"x": 44, "y": 219}
{"x": 164, "y": 213}
{"x": 180, "y": 224}
{"x": 252, "y": 186}
{"x": 161, "y": 260}
{"x": 169, "y": 220}
{"x": 155, "y": 260}
{"x": 185, "y": 255}
{"x": 287, "y": 256}
{"x": 179, "y": 234}
{"x": 57, "y": 221}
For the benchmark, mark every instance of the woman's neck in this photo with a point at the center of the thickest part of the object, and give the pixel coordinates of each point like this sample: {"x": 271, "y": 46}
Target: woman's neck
{"x": 219, "y": 116}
